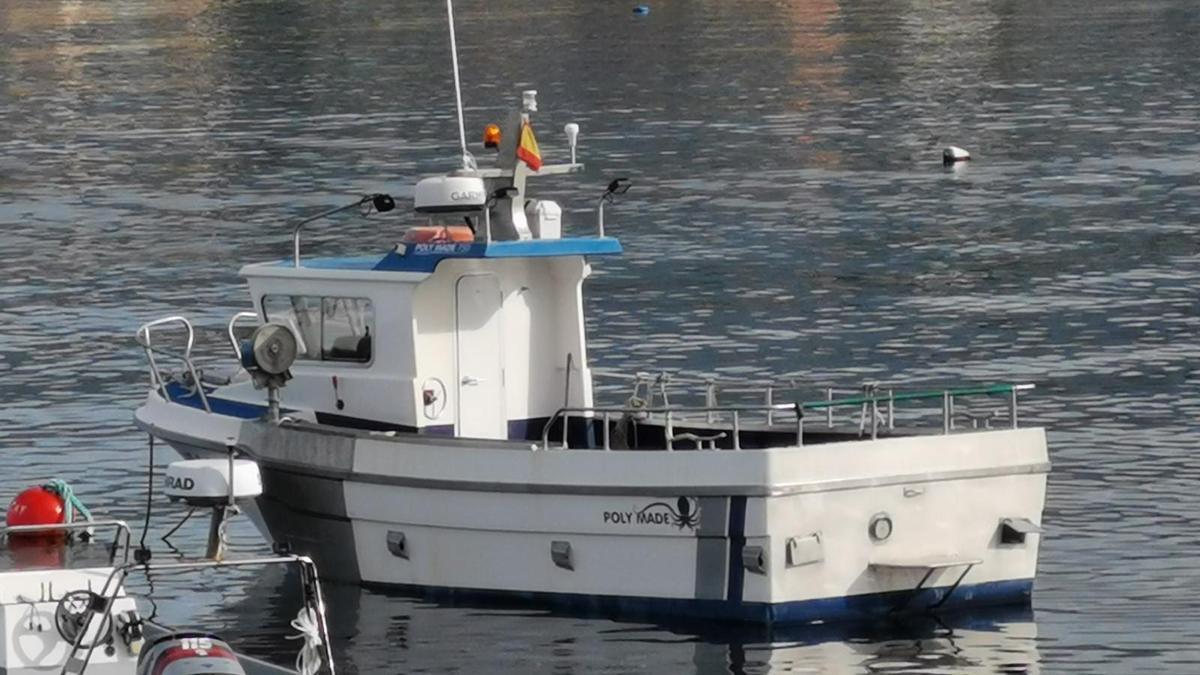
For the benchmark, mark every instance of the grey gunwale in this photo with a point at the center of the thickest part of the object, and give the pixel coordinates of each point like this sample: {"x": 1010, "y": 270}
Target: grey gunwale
{"x": 726, "y": 490}
{"x": 721, "y": 490}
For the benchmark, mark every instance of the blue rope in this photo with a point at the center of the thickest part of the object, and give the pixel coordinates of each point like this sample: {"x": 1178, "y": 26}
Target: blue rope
{"x": 64, "y": 490}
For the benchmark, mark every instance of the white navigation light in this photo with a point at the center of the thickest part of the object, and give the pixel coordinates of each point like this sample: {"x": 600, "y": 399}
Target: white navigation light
{"x": 444, "y": 194}
{"x": 529, "y": 100}
{"x": 572, "y": 131}
{"x": 205, "y": 482}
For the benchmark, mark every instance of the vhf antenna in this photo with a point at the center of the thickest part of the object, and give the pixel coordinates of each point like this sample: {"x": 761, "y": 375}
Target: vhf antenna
{"x": 467, "y": 160}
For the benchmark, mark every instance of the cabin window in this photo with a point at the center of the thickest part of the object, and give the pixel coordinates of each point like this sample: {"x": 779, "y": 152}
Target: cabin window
{"x": 333, "y": 329}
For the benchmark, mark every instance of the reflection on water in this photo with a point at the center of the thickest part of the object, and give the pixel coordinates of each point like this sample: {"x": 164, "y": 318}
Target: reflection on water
{"x": 378, "y": 632}
{"x": 789, "y": 214}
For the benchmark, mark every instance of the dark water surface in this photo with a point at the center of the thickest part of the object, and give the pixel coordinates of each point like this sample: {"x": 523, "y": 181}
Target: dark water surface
{"x": 790, "y": 214}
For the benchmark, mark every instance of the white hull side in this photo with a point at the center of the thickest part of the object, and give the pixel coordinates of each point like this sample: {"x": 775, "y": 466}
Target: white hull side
{"x": 502, "y": 541}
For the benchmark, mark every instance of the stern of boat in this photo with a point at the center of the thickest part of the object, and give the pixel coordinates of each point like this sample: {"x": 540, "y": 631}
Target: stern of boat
{"x": 898, "y": 525}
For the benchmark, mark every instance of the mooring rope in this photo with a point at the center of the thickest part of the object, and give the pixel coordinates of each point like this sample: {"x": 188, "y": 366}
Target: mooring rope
{"x": 64, "y": 490}
{"x": 308, "y": 660}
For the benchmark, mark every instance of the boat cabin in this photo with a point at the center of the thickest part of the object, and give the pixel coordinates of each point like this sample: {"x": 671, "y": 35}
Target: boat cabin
{"x": 471, "y": 325}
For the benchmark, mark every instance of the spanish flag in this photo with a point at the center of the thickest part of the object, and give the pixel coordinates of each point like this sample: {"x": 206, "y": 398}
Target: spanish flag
{"x": 527, "y": 148}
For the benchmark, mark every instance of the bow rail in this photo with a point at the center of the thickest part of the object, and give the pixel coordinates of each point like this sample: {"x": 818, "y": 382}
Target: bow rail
{"x": 144, "y": 338}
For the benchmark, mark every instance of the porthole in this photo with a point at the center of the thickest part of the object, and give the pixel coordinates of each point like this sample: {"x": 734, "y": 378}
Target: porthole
{"x": 880, "y": 527}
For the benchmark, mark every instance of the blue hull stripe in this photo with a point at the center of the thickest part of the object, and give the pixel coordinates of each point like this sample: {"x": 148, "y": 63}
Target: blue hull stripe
{"x": 221, "y": 406}
{"x": 737, "y": 541}
{"x": 858, "y": 608}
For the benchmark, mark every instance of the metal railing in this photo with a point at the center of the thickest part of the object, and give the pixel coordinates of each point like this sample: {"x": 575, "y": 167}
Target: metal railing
{"x": 648, "y": 383}
{"x": 122, "y": 539}
{"x": 145, "y": 338}
{"x": 871, "y": 400}
{"x": 229, "y": 331}
{"x": 877, "y": 406}
{"x": 669, "y": 418}
{"x": 156, "y": 379}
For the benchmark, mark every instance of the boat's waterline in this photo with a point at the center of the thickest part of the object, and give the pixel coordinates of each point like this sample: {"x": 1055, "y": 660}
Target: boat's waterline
{"x": 867, "y": 607}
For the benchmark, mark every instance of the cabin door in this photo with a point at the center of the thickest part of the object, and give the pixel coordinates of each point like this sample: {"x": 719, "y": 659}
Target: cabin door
{"x": 480, "y": 358}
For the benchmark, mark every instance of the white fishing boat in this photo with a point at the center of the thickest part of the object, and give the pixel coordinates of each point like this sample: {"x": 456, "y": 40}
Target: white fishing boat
{"x": 424, "y": 418}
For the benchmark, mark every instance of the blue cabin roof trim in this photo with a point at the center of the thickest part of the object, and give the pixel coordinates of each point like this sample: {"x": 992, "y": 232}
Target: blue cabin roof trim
{"x": 425, "y": 257}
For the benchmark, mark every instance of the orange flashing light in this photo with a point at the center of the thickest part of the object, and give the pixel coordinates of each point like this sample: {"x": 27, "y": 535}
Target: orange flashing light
{"x": 491, "y": 136}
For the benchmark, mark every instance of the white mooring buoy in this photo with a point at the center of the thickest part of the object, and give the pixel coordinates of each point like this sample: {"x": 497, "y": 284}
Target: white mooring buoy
{"x": 952, "y": 154}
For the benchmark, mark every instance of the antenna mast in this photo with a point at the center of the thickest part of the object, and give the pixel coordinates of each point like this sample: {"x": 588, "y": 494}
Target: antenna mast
{"x": 467, "y": 159}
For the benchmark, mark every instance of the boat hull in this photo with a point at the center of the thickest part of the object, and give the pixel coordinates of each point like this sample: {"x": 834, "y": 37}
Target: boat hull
{"x": 771, "y": 536}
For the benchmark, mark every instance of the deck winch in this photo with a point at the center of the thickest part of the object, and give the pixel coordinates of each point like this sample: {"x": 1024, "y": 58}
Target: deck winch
{"x": 267, "y": 356}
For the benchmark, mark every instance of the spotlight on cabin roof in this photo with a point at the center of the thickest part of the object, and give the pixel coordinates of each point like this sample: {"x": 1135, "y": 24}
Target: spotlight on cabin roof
{"x": 953, "y": 154}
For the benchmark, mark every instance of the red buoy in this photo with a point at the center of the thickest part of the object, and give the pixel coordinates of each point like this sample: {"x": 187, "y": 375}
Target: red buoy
{"x": 36, "y": 506}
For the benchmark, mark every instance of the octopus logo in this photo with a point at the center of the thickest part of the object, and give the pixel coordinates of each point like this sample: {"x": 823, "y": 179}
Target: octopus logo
{"x": 685, "y": 513}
